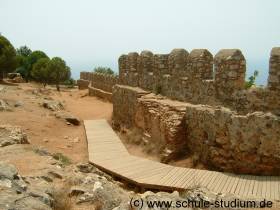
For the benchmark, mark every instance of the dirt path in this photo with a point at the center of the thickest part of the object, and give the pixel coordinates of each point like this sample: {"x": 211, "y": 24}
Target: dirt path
{"x": 41, "y": 126}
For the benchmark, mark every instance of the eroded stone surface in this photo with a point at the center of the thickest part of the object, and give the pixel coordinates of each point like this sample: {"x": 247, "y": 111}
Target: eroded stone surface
{"x": 222, "y": 139}
{"x": 12, "y": 135}
{"x": 53, "y": 105}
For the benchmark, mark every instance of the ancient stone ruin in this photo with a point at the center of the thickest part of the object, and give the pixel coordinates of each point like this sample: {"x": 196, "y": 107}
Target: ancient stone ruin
{"x": 197, "y": 104}
{"x": 100, "y": 85}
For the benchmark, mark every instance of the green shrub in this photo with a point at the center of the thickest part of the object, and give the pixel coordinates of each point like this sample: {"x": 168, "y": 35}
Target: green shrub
{"x": 64, "y": 160}
{"x": 104, "y": 70}
{"x": 252, "y": 80}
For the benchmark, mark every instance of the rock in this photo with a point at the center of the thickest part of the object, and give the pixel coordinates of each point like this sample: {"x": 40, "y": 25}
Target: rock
{"x": 47, "y": 178}
{"x": 42, "y": 196}
{"x": 42, "y": 152}
{"x": 18, "y": 104}
{"x": 76, "y": 140}
{"x": 4, "y": 106}
{"x": 199, "y": 194}
{"x": 8, "y": 171}
{"x": 67, "y": 117}
{"x": 53, "y": 105}
{"x": 85, "y": 167}
{"x": 13, "y": 75}
{"x": 97, "y": 185}
{"x": 18, "y": 79}
{"x": 11, "y": 135}
{"x": 17, "y": 195}
{"x": 77, "y": 190}
{"x": 55, "y": 174}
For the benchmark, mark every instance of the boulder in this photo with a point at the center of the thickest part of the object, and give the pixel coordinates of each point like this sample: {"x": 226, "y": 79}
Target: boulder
{"x": 16, "y": 194}
{"x": 68, "y": 117}
{"x": 12, "y": 135}
{"x": 53, "y": 105}
{"x": 4, "y": 106}
{"x": 7, "y": 171}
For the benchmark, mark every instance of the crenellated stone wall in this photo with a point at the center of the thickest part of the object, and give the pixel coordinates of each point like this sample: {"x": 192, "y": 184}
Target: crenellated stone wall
{"x": 200, "y": 78}
{"x": 197, "y": 104}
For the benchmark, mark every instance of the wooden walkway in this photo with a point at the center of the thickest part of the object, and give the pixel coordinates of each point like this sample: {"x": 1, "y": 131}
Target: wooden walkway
{"x": 107, "y": 152}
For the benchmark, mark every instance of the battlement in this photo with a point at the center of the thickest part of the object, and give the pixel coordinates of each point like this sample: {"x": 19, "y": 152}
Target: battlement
{"x": 101, "y": 81}
{"x": 200, "y": 77}
{"x": 274, "y": 69}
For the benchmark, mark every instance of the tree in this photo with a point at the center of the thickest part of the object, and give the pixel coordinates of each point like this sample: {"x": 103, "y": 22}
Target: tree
{"x": 8, "y": 60}
{"x": 21, "y": 57}
{"x": 252, "y": 80}
{"x": 104, "y": 70}
{"x": 31, "y": 60}
{"x": 41, "y": 71}
{"x": 59, "y": 71}
{"x": 24, "y": 51}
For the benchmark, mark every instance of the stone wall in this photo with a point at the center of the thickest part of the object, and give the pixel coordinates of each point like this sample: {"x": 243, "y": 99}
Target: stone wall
{"x": 200, "y": 78}
{"x": 219, "y": 137}
{"x": 224, "y": 140}
{"x": 101, "y": 85}
{"x": 202, "y": 110}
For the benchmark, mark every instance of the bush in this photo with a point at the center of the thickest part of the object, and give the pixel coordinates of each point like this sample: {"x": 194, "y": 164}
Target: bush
{"x": 252, "y": 80}
{"x": 40, "y": 71}
{"x": 104, "y": 70}
{"x": 70, "y": 83}
{"x": 64, "y": 160}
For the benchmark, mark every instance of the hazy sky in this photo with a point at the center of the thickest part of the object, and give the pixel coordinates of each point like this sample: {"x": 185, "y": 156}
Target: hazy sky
{"x": 89, "y": 33}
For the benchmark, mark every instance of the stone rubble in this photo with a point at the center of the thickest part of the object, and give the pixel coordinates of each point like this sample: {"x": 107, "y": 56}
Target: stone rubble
{"x": 10, "y": 135}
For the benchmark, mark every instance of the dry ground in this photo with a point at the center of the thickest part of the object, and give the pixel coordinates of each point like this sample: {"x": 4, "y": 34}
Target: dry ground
{"x": 43, "y": 129}
{"x": 41, "y": 126}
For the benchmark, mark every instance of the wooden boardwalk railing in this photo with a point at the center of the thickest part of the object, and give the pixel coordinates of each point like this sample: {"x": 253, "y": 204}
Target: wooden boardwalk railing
{"x": 107, "y": 152}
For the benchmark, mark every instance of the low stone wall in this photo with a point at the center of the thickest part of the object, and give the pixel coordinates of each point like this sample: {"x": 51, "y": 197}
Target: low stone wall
{"x": 101, "y": 85}
{"x": 221, "y": 138}
{"x": 125, "y": 101}
{"x": 83, "y": 84}
{"x": 100, "y": 93}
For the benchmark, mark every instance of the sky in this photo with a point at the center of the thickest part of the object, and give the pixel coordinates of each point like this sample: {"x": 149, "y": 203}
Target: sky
{"x": 90, "y": 33}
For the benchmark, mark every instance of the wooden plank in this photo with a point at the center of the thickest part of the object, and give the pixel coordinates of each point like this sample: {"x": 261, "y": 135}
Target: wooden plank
{"x": 250, "y": 188}
{"x": 181, "y": 180}
{"x": 240, "y": 186}
{"x": 206, "y": 178}
{"x": 190, "y": 181}
{"x": 107, "y": 151}
{"x": 146, "y": 167}
{"x": 153, "y": 178}
{"x": 264, "y": 185}
{"x": 170, "y": 180}
{"x": 256, "y": 186}
{"x": 260, "y": 186}
{"x": 276, "y": 182}
{"x": 146, "y": 175}
{"x": 228, "y": 185}
{"x": 176, "y": 178}
{"x": 167, "y": 176}
{"x": 215, "y": 182}
{"x": 220, "y": 186}
{"x": 244, "y": 191}
{"x": 212, "y": 182}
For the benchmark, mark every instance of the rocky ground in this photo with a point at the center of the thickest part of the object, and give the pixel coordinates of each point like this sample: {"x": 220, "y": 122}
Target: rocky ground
{"x": 43, "y": 156}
